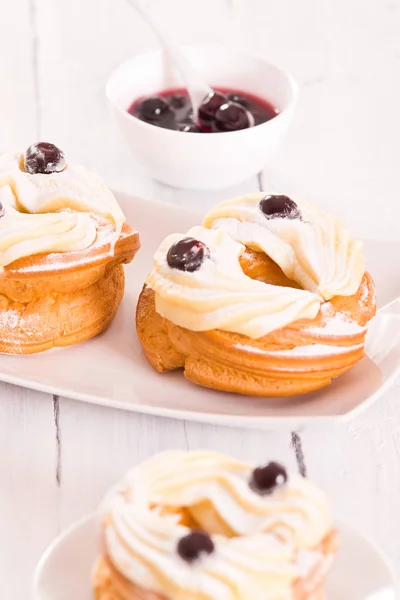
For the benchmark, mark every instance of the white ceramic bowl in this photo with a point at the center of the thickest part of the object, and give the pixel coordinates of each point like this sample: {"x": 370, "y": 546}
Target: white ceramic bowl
{"x": 194, "y": 160}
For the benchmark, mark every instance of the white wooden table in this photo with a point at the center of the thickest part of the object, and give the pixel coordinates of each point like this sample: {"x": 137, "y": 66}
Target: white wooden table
{"x": 57, "y": 456}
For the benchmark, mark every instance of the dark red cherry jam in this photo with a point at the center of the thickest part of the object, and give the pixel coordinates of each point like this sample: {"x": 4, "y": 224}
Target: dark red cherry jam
{"x": 224, "y": 110}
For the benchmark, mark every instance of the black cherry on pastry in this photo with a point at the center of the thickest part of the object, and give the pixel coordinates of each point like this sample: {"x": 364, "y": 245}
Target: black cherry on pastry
{"x": 172, "y": 109}
{"x": 232, "y": 117}
{"x": 44, "y": 158}
{"x": 187, "y": 254}
{"x": 279, "y": 207}
{"x": 193, "y": 545}
{"x": 265, "y": 480}
{"x": 2, "y": 210}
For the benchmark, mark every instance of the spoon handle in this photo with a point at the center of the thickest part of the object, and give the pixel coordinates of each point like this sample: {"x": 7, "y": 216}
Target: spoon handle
{"x": 194, "y": 83}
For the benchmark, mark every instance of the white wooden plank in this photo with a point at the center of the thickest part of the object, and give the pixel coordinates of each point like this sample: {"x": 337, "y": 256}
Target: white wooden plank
{"x": 28, "y": 490}
{"x": 18, "y": 107}
{"x": 358, "y": 466}
{"x": 255, "y": 446}
{"x": 98, "y": 445}
{"x": 344, "y": 138}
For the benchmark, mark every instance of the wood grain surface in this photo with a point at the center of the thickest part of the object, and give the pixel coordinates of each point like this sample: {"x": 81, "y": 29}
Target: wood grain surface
{"x": 58, "y": 456}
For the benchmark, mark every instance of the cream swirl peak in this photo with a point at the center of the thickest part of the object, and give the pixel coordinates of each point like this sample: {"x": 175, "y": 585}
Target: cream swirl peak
{"x": 260, "y": 542}
{"x": 219, "y": 295}
{"x": 74, "y": 187}
{"x": 315, "y": 249}
{"x": 24, "y": 235}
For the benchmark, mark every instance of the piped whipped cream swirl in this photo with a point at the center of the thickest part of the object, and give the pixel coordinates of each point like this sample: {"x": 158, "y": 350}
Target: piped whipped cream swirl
{"x": 51, "y": 212}
{"x": 261, "y": 542}
{"x": 23, "y": 235}
{"x": 316, "y": 251}
{"x": 220, "y": 296}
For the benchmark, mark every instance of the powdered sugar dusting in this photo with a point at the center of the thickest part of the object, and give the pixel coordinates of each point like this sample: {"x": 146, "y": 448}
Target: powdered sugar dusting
{"x": 10, "y": 319}
{"x": 103, "y": 246}
{"x": 316, "y": 350}
{"x": 338, "y": 325}
{"x": 310, "y": 350}
{"x": 15, "y": 328}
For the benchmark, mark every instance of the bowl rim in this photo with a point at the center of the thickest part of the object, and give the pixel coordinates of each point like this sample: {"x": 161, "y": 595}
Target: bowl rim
{"x": 293, "y": 86}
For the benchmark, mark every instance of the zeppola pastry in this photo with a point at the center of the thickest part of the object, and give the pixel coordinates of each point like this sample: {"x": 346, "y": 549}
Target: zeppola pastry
{"x": 268, "y": 298}
{"x": 204, "y": 526}
{"x": 63, "y": 239}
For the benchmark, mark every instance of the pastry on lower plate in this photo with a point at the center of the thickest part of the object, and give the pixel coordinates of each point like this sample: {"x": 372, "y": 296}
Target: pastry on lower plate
{"x": 63, "y": 240}
{"x": 204, "y": 526}
{"x": 269, "y": 298}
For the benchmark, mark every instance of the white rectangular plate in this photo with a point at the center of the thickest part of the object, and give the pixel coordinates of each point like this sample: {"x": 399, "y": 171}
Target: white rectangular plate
{"x": 111, "y": 369}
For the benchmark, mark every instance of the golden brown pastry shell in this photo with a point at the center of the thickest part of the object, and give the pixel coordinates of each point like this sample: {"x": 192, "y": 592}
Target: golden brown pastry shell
{"x": 235, "y": 363}
{"x": 49, "y": 300}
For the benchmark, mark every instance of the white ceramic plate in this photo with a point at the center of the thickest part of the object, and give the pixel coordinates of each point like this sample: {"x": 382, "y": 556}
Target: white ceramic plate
{"x": 111, "y": 369}
{"x": 361, "y": 572}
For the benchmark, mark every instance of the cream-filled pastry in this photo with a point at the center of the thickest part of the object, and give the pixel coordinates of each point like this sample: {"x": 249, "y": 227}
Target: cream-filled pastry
{"x": 204, "y": 526}
{"x": 268, "y": 298}
{"x": 63, "y": 239}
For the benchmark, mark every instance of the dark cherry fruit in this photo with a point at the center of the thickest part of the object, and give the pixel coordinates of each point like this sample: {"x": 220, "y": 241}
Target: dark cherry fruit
{"x": 172, "y": 109}
{"x": 279, "y": 207}
{"x": 187, "y": 255}
{"x": 193, "y": 545}
{"x": 265, "y": 480}
{"x": 210, "y": 105}
{"x": 178, "y": 101}
{"x": 154, "y": 110}
{"x": 2, "y": 210}
{"x": 231, "y": 117}
{"x": 44, "y": 158}
{"x": 239, "y": 100}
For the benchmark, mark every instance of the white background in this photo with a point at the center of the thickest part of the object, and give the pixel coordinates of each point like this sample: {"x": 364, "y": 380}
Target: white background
{"x": 57, "y": 457}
